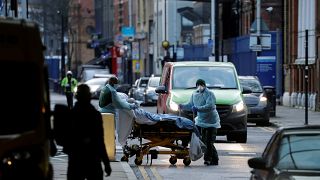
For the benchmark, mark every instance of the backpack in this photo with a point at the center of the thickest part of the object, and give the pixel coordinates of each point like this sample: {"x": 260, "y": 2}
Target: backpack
{"x": 62, "y": 124}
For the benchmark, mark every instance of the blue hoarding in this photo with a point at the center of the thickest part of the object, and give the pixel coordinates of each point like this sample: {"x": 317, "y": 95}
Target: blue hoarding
{"x": 266, "y": 70}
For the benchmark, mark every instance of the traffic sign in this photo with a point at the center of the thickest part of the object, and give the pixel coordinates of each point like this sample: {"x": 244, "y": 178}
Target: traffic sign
{"x": 260, "y": 42}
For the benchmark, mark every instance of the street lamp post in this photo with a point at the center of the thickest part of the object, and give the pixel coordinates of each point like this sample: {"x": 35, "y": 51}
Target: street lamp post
{"x": 62, "y": 46}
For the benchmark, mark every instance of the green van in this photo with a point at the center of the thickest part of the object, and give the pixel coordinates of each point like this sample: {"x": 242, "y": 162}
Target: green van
{"x": 178, "y": 82}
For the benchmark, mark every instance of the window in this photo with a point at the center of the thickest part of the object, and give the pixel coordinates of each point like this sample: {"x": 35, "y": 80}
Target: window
{"x": 300, "y": 151}
{"x": 253, "y": 84}
{"x": 143, "y": 82}
{"x": 306, "y": 20}
{"x": 154, "y": 82}
{"x": 215, "y": 77}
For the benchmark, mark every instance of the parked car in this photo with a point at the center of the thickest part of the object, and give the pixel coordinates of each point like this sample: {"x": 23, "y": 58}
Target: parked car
{"x": 124, "y": 88}
{"x": 89, "y": 71}
{"x": 292, "y": 153}
{"x": 133, "y": 88}
{"x": 179, "y": 81}
{"x": 151, "y": 96}
{"x": 257, "y": 102}
{"x": 96, "y": 84}
{"x": 137, "y": 91}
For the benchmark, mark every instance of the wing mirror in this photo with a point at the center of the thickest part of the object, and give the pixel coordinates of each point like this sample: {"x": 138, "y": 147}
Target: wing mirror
{"x": 161, "y": 90}
{"x": 246, "y": 90}
{"x": 257, "y": 163}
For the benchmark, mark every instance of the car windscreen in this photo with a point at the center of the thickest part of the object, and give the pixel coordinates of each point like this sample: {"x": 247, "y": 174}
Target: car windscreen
{"x": 253, "y": 84}
{"x": 300, "y": 152}
{"x": 154, "y": 82}
{"x": 20, "y": 97}
{"x": 214, "y": 76}
{"x": 97, "y": 81}
{"x": 88, "y": 74}
{"x": 143, "y": 82}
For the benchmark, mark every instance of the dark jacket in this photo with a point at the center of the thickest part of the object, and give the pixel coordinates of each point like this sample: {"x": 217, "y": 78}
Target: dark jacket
{"x": 87, "y": 133}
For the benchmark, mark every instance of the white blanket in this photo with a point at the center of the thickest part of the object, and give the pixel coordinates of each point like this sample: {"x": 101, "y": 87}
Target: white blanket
{"x": 124, "y": 125}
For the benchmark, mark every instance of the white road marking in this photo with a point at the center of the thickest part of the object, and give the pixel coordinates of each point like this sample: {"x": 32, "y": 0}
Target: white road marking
{"x": 228, "y": 147}
{"x": 242, "y": 153}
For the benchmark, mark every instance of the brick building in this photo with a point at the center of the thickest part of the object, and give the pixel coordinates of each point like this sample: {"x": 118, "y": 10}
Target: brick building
{"x": 301, "y": 15}
{"x": 81, "y": 21}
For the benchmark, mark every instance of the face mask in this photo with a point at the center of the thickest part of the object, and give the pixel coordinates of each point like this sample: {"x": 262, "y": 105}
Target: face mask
{"x": 200, "y": 88}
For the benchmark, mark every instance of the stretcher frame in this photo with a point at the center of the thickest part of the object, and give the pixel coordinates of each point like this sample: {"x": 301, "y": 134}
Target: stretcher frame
{"x": 159, "y": 135}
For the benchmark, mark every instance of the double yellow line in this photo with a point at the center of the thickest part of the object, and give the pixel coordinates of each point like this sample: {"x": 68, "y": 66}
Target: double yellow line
{"x": 145, "y": 174}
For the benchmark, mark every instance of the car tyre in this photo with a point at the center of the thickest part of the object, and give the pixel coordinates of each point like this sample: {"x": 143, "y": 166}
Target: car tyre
{"x": 240, "y": 137}
{"x": 265, "y": 122}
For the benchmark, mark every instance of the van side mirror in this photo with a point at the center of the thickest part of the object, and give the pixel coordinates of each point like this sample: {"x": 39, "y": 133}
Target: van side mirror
{"x": 161, "y": 90}
{"x": 246, "y": 90}
{"x": 257, "y": 163}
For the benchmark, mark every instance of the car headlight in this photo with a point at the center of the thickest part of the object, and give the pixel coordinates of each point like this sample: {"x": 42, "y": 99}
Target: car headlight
{"x": 263, "y": 101}
{"x": 238, "y": 107}
{"x": 173, "y": 106}
{"x": 29, "y": 154}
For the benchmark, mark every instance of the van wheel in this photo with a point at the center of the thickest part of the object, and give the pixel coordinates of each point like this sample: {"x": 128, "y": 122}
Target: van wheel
{"x": 265, "y": 122}
{"x": 240, "y": 137}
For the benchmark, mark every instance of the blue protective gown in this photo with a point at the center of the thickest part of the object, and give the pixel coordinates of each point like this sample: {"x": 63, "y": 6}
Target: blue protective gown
{"x": 207, "y": 115}
{"x": 117, "y": 102}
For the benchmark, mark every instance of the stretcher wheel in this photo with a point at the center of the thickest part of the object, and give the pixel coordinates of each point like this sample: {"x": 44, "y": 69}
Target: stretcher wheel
{"x": 186, "y": 161}
{"x": 138, "y": 161}
{"x": 173, "y": 160}
{"x": 125, "y": 158}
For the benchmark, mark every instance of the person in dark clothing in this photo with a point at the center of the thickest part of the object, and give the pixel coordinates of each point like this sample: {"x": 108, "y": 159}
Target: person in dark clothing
{"x": 87, "y": 149}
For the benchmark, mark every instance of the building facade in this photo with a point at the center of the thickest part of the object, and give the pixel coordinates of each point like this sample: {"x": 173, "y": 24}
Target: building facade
{"x": 81, "y": 21}
{"x": 301, "y": 15}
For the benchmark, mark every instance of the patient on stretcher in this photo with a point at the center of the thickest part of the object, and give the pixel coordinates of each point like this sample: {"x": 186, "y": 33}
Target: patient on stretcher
{"x": 126, "y": 119}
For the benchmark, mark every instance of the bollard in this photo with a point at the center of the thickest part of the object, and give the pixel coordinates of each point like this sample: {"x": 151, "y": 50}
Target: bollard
{"x": 109, "y": 134}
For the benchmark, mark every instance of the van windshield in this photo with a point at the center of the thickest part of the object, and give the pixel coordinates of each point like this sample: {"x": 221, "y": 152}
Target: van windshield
{"x": 215, "y": 77}
{"x": 154, "y": 82}
{"x": 20, "y": 97}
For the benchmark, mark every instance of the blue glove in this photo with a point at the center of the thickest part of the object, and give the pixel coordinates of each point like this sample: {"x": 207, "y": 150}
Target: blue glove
{"x": 194, "y": 109}
{"x": 133, "y": 106}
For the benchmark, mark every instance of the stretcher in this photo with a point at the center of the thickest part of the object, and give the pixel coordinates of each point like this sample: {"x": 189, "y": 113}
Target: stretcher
{"x": 164, "y": 134}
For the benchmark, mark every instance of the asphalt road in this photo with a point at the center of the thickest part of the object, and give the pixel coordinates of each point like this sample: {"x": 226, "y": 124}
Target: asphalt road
{"x": 232, "y": 163}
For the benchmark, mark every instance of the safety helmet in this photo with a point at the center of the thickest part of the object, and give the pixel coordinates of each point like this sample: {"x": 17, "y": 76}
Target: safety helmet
{"x": 69, "y": 73}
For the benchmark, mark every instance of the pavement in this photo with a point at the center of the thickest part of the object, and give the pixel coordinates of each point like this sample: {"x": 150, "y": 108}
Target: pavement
{"x": 285, "y": 117}
{"x": 120, "y": 170}
{"x": 293, "y": 116}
